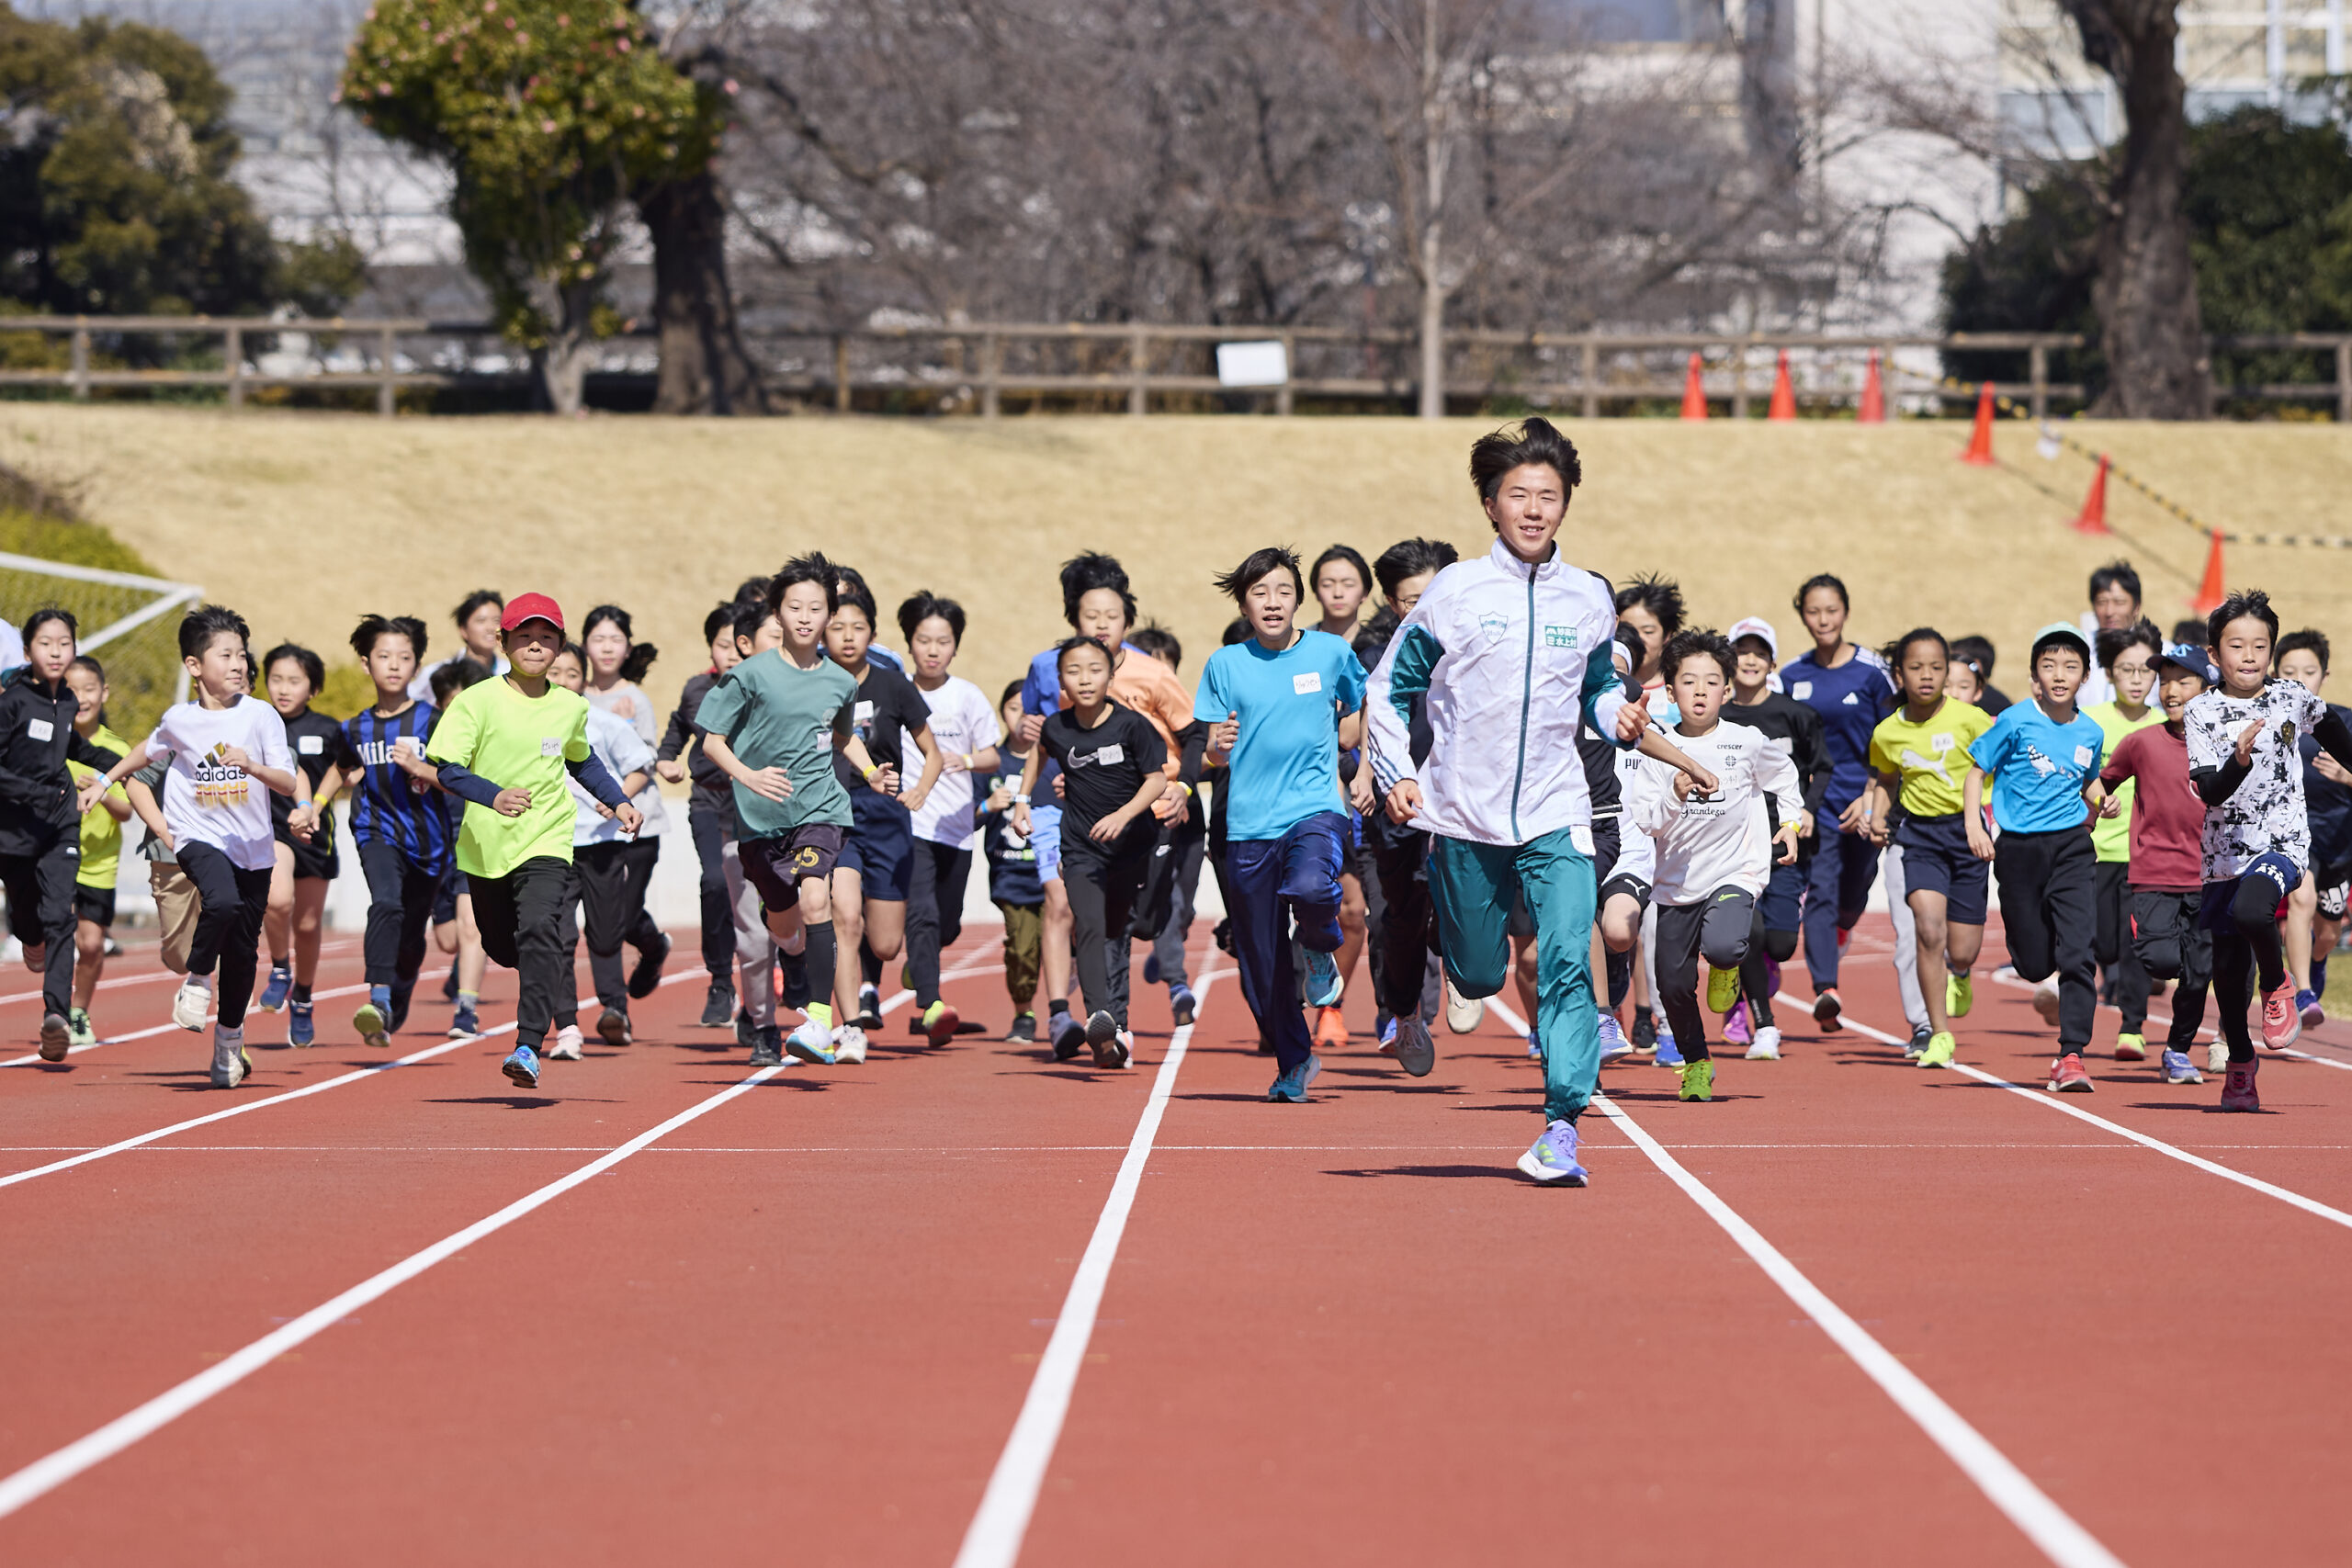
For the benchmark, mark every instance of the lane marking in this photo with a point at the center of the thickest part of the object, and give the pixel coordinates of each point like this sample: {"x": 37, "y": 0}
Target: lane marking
{"x": 2210, "y": 1033}
{"x": 2005, "y": 1486}
{"x": 327, "y": 950}
{"x": 994, "y": 1539}
{"x": 166, "y": 1028}
{"x": 53, "y": 1469}
{"x": 2050, "y": 1101}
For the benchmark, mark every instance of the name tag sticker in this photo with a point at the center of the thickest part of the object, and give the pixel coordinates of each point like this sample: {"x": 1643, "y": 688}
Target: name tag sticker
{"x": 2082, "y": 756}
{"x": 1106, "y": 755}
{"x": 40, "y": 730}
{"x": 404, "y": 744}
{"x": 865, "y": 714}
{"x": 550, "y": 746}
{"x": 1940, "y": 744}
{"x": 1801, "y": 690}
{"x": 310, "y": 745}
{"x": 1304, "y": 685}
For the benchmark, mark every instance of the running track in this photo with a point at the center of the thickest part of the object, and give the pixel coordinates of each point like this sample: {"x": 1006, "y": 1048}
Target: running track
{"x": 814, "y": 1317}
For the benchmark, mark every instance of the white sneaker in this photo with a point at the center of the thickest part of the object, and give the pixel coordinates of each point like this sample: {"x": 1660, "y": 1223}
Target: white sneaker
{"x": 229, "y": 1063}
{"x": 191, "y": 1002}
{"x": 1127, "y": 1048}
{"x": 565, "y": 1046}
{"x": 2045, "y": 1000}
{"x": 849, "y": 1043}
{"x": 1766, "y": 1047}
{"x": 2217, "y": 1057}
{"x": 1462, "y": 1014}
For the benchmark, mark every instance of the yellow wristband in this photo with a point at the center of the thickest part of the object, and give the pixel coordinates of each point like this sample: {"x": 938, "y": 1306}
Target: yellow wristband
{"x": 870, "y": 770}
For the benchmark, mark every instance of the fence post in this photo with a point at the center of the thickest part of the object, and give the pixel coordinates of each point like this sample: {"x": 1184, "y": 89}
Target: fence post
{"x": 2344, "y": 380}
{"x": 991, "y": 355}
{"x": 80, "y": 375}
{"x": 232, "y": 349}
{"x": 1138, "y": 367}
{"x": 1739, "y": 381}
{"x": 1590, "y": 373}
{"x": 1285, "y": 402}
{"x": 841, "y": 373}
{"x": 2037, "y": 358}
{"x": 386, "y": 371}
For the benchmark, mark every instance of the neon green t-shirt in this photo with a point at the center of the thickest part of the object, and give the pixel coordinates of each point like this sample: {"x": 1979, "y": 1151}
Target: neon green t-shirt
{"x": 2111, "y": 836}
{"x": 101, "y": 834}
{"x": 1931, "y": 758}
{"x": 515, "y": 742}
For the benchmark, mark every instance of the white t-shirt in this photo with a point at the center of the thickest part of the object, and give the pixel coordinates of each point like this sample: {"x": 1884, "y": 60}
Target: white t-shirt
{"x": 616, "y": 743}
{"x": 963, "y": 720}
{"x": 207, "y": 801}
{"x": 2264, "y": 813}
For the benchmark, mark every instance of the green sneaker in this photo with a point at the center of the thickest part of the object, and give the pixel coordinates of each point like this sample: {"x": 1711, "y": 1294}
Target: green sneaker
{"x": 370, "y": 1021}
{"x": 78, "y": 1029}
{"x": 1723, "y": 989}
{"x": 1940, "y": 1049}
{"x": 1698, "y": 1080}
{"x": 1958, "y": 996}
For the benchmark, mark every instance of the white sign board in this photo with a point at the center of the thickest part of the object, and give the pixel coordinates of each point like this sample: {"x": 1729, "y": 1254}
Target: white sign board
{"x": 1251, "y": 365}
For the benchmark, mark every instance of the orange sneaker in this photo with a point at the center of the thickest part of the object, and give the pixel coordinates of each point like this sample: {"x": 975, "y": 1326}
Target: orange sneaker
{"x": 1330, "y": 1029}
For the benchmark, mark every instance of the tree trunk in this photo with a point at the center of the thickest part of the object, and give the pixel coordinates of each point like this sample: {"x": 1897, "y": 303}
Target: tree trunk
{"x": 2150, "y": 327}
{"x": 705, "y": 368}
{"x": 571, "y": 348}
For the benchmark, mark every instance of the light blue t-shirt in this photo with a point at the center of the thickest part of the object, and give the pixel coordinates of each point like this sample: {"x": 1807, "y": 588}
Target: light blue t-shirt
{"x": 2039, "y": 768}
{"x": 1285, "y": 766}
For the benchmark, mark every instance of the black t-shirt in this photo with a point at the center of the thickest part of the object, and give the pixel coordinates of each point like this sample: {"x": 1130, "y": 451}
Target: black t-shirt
{"x": 1103, "y": 767}
{"x": 318, "y": 743}
{"x": 887, "y": 704}
{"x": 1992, "y": 701}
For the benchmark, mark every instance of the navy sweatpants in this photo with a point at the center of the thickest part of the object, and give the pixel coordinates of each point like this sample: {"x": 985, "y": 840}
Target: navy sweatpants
{"x": 1270, "y": 880}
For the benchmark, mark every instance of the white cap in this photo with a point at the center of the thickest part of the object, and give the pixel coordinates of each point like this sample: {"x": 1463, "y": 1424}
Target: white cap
{"x": 1756, "y": 627}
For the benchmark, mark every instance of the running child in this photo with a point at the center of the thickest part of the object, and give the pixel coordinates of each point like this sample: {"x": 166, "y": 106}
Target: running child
{"x": 1186, "y": 842}
{"x": 1111, "y": 759}
{"x": 616, "y": 663}
{"x": 454, "y": 930}
{"x": 508, "y": 747}
{"x": 2315, "y": 912}
{"x": 1716, "y": 848}
{"x": 1651, "y": 608}
{"x": 1968, "y": 677}
{"x": 772, "y": 726}
{"x": 226, "y": 748}
{"x": 101, "y": 864}
{"x": 2166, "y": 868}
{"x": 963, "y": 729}
{"x": 1341, "y": 581}
{"x": 756, "y": 631}
{"x": 400, "y": 829}
{"x": 707, "y": 808}
{"x": 611, "y": 871}
{"x": 2044, "y": 759}
{"x": 2256, "y": 842}
{"x": 1795, "y": 728}
{"x": 1279, "y": 707}
{"x": 294, "y": 922}
{"x": 1505, "y": 649}
{"x": 1920, "y": 755}
{"x": 1013, "y": 886}
{"x": 2128, "y": 657}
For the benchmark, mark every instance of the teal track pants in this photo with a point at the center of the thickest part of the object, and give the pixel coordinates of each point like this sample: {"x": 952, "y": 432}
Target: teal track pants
{"x": 1474, "y": 886}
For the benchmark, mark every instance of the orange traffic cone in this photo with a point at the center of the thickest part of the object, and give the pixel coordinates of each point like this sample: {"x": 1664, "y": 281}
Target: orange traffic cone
{"x": 1694, "y": 391}
{"x": 1873, "y": 409}
{"x": 2210, "y": 592}
{"x": 1979, "y": 440}
{"x": 1785, "y": 393}
{"x": 2094, "y": 517}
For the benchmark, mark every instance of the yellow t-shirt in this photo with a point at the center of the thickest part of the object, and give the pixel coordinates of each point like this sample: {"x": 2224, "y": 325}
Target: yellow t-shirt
{"x": 1931, "y": 757}
{"x": 2111, "y": 836}
{"x": 515, "y": 742}
{"x": 101, "y": 834}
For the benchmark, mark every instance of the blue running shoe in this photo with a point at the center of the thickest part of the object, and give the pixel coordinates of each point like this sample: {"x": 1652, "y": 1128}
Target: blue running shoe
{"x": 273, "y": 996}
{"x": 1292, "y": 1085}
{"x": 1322, "y": 979}
{"x": 1614, "y": 1046}
{"x": 299, "y": 1029}
{"x": 465, "y": 1023}
{"x": 1182, "y": 1004}
{"x": 1668, "y": 1057}
{"x": 1152, "y": 968}
{"x": 1554, "y": 1155}
{"x": 812, "y": 1041}
{"x": 1534, "y": 1048}
{"x": 522, "y": 1066}
{"x": 2179, "y": 1068}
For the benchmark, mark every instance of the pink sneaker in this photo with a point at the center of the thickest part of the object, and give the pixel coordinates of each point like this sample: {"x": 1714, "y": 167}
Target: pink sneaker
{"x": 2237, "y": 1088}
{"x": 2282, "y": 1022}
{"x": 1735, "y": 1029}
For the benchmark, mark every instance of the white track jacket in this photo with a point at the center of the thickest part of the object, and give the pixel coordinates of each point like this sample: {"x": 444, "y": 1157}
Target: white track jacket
{"x": 1712, "y": 842}
{"x": 1512, "y": 659}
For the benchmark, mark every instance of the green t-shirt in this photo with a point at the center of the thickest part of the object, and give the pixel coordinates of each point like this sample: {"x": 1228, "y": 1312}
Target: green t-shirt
{"x": 515, "y": 742}
{"x": 773, "y": 714}
{"x": 101, "y": 834}
{"x": 2111, "y": 836}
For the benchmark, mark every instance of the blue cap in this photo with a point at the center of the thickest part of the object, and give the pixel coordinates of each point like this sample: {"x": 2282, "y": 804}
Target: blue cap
{"x": 2194, "y": 660}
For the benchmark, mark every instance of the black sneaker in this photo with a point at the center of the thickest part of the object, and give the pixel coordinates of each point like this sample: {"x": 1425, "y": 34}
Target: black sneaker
{"x": 1644, "y": 1031}
{"x": 746, "y": 1033}
{"x": 646, "y": 977}
{"x": 449, "y": 985}
{"x": 1024, "y": 1030}
{"x": 1919, "y": 1038}
{"x": 1070, "y": 1037}
{"x": 795, "y": 981}
{"x": 400, "y": 995}
{"x": 767, "y": 1046}
{"x": 612, "y": 1024}
{"x": 718, "y": 1005}
{"x": 869, "y": 1008}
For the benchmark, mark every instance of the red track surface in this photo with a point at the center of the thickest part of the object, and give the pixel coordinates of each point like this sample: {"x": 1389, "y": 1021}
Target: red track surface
{"x": 799, "y": 1328}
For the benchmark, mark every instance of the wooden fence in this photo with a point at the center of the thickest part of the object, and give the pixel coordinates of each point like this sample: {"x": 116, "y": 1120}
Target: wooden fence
{"x": 975, "y": 366}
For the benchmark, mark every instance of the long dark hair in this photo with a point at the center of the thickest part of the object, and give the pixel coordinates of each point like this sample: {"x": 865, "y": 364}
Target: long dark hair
{"x": 641, "y": 655}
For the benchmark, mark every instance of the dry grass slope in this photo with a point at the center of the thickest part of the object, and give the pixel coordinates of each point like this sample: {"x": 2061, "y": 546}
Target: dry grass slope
{"x": 304, "y": 521}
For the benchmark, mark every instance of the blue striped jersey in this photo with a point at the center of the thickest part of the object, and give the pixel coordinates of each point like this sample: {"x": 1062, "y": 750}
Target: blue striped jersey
{"x": 392, "y": 807}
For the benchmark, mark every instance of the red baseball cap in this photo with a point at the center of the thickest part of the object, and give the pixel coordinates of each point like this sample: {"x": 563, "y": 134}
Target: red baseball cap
{"x": 531, "y": 607}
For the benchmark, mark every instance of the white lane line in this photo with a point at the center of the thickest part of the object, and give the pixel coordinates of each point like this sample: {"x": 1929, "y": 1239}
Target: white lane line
{"x": 2211, "y": 1034}
{"x": 2005, "y": 1486}
{"x": 2043, "y": 1098}
{"x": 166, "y": 1028}
{"x": 53, "y": 1470}
{"x": 247, "y": 1107}
{"x": 326, "y": 951}
{"x": 994, "y": 1539}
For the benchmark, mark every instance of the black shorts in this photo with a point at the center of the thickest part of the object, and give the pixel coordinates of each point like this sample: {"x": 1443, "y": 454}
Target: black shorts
{"x": 315, "y": 859}
{"x": 880, "y": 846}
{"x": 94, "y": 905}
{"x": 1937, "y": 858}
{"x": 445, "y": 898}
{"x": 778, "y": 865}
{"x": 1633, "y": 887}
